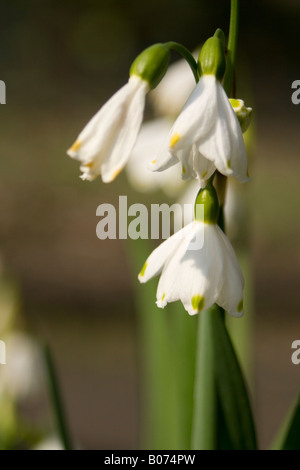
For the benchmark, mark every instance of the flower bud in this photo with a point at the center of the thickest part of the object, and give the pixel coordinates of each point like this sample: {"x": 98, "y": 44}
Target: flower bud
{"x": 242, "y": 113}
{"x": 151, "y": 65}
{"x": 208, "y": 197}
{"x": 212, "y": 57}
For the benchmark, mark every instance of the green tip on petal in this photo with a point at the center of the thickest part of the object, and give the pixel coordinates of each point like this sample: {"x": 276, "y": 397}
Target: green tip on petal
{"x": 240, "y": 306}
{"x": 198, "y": 302}
{"x": 152, "y": 64}
{"x": 208, "y": 199}
{"x": 142, "y": 273}
{"x": 212, "y": 58}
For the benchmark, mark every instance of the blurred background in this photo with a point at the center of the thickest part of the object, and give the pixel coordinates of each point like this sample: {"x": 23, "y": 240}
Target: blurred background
{"x": 60, "y": 61}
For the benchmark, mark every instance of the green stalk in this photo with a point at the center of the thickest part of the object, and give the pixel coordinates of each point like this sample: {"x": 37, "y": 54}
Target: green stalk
{"x": 186, "y": 55}
{"x": 57, "y": 400}
{"x": 204, "y": 423}
{"x": 232, "y": 46}
{"x": 215, "y": 397}
{"x": 229, "y": 73}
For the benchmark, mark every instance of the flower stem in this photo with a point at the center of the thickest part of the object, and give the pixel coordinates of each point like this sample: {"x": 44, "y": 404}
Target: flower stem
{"x": 232, "y": 46}
{"x": 204, "y": 422}
{"x": 186, "y": 55}
{"x": 228, "y": 84}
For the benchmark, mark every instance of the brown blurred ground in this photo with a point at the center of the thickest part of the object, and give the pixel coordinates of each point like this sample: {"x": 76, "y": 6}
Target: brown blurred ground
{"x": 76, "y": 289}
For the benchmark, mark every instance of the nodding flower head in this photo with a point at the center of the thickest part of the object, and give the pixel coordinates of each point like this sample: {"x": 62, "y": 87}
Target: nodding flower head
{"x": 105, "y": 144}
{"x": 197, "y": 264}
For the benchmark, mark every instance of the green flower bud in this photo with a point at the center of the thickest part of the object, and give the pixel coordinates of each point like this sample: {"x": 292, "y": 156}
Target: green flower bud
{"x": 219, "y": 34}
{"x": 208, "y": 197}
{"x": 242, "y": 113}
{"x": 152, "y": 64}
{"x": 212, "y": 58}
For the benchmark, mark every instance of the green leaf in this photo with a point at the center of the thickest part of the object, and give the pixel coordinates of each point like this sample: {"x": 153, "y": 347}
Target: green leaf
{"x": 234, "y": 405}
{"x": 57, "y": 402}
{"x": 288, "y": 437}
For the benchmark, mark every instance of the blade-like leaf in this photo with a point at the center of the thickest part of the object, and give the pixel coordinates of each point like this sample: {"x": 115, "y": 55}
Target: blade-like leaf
{"x": 232, "y": 392}
{"x": 288, "y": 437}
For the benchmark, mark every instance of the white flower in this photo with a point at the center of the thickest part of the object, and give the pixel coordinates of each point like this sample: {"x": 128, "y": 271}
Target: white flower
{"x": 49, "y": 443}
{"x": 104, "y": 145}
{"x": 23, "y": 374}
{"x": 198, "y": 277}
{"x": 150, "y": 138}
{"x": 206, "y": 135}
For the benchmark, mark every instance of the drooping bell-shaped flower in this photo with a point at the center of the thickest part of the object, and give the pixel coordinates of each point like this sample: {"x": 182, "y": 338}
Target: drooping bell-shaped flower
{"x": 198, "y": 264}
{"x": 105, "y": 144}
{"x": 207, "y": 134}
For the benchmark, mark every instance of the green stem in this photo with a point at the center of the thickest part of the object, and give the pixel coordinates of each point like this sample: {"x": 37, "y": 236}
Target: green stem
{"x": 204, "y": 423}
{"x": 186, "y": 55}
{"x": 56, "y": 400}
{"x": 232, "y": 46}
{"x": 205, "y": 432}
{"x": 228, "y": 78}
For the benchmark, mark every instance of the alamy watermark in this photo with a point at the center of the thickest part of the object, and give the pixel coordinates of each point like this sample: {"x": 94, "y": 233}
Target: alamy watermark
{"x": 296, "y": 94}
{"x": 2, "y": 92}
{"x": 139, "y": 221}
{"x": 296, "y": 354}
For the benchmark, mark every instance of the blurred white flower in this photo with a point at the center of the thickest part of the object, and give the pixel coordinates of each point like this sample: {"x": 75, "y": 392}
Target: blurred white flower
{"x": 49, "y": 443}
{"x": 173, "y": 91}
{"x": 104, "y": 145}
{"x": 22, "y": 375}
{"x": 151, "y": 136}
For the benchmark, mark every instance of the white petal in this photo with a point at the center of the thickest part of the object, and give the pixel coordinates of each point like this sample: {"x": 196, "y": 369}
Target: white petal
{"x": 197, "y": 116}
{"x": 193, "y": 276}
{"x": 164, "y": 159}
{"x": 187, "y": 156}
{"x": 125, "y": 139}
{"x": 172, "y": 267}
{"x": 158, "y": 257}
{"x": 230, "y": 296}
{"x": 101, "y": 138}
{"x": 225, "y": 144}
{"x": 93, "y": 136}
{"x": 203, "y": 167}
